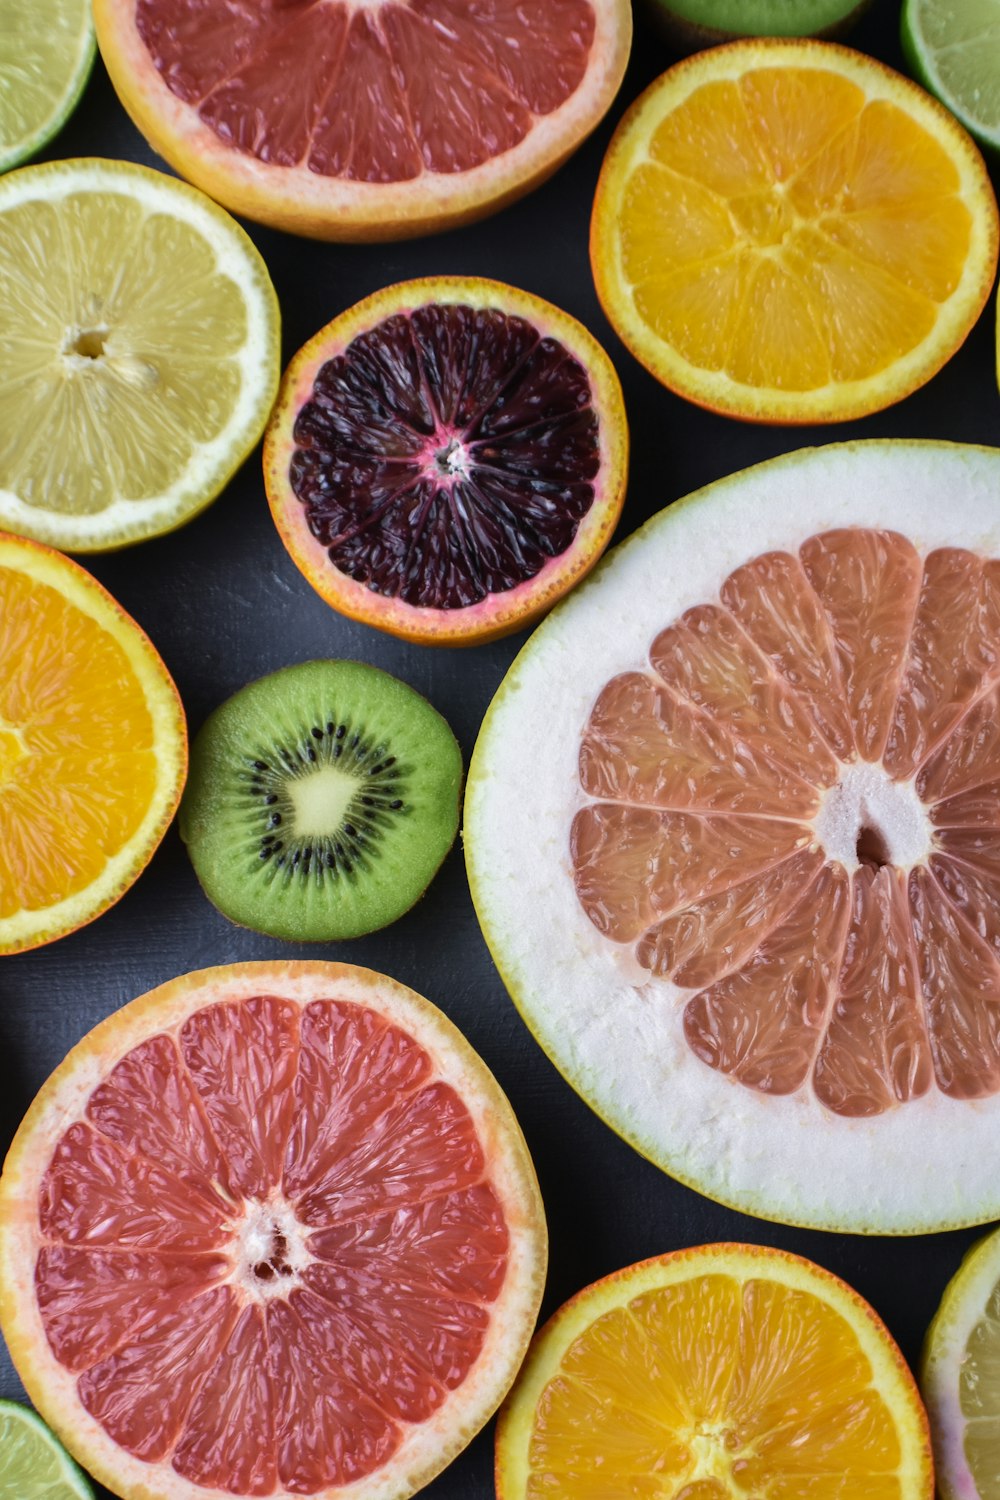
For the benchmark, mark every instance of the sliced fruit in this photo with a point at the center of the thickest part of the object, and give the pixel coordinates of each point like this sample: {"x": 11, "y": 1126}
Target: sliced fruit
{"x": 953, "y": 47}
{"x": 447, "y": 459}
{"x": 322, "y": 801}
{"x": 93, "y": 747}
{"x": 46, "y": 54}
{"x": 139, "y": 357}
{"x": 33, "y": 1464}
{"x": 713, "y": 1374}
{"x": 271, "y": 1229}
{"x": 386, "y": 120}
{"x": 704, "y": 23}
{"x": 787, "y": 231}
{"x": 960, "y": 1378}
{"x": 756, "y": 912}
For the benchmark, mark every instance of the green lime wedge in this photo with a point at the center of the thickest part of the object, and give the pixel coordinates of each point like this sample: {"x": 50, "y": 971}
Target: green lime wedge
{"x": 953, "y": 48}
{"x": 699, "y": 22}
{"x": 33, "y": 1464}
{"x": 46, "y": 53}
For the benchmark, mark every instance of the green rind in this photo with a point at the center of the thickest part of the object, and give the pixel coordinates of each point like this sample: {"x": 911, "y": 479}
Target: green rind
{"x": 478, "y": 770}
{"x": 919, "y": 61}
{"x": 18, "y": 153}
{"x": 413, "y": 850}
{"x": 689, "y": 25}
{"x": 76, "y": 1482}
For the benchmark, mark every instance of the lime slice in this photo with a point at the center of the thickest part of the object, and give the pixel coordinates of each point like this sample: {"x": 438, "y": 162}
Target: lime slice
{"x": 961, "y": 1378}
{"x": 953, "y": 47}
{"x": 46, "y": 53}
{"x": 33, "y": 1464}
{"x": 704, "y": 21}
{"x": 139, "y": 352}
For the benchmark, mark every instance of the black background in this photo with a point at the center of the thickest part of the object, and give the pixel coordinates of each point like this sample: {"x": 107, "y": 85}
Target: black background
{"x": 223, "y": 603}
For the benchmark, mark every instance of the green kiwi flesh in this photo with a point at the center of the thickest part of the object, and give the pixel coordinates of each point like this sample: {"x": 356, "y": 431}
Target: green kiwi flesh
{"x": 321, "y": 801}
{"x": 690, "y": 24}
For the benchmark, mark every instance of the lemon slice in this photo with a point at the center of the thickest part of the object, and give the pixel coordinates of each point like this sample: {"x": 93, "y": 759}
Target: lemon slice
{"x": 33, "y": 1465}
{"x": 139, "y": 352}
{"x": 961, "y": 1378}
{"x": 46, "y": 53}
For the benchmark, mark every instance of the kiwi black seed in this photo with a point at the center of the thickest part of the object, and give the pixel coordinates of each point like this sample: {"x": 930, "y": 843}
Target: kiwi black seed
{"x": 321, "y": 801}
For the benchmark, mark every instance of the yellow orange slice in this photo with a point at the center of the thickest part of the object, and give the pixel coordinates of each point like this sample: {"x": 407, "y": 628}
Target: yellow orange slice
{"x": 93, "y": 747}
{"x": 786, "y": 231}
{"x": 716, "y": 1373}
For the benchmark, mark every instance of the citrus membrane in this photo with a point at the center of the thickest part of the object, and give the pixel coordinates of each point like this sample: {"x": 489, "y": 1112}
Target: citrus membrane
{"x": 960, "y": 1378}
{"x": 786, "y": 231}
{"x": 389, "y": 119}
{"x": 954, "y": 50}
{"x": 271, "y": 1229}
{"x": 33, "y": 1464}
{"x": 46, "y": 54}
{"x": 757, "y": 844}
{"x": 93, "y": 747}
{"x": 139, "y": 357}
{"x": 447, "y": 458}
{"x": 711, "y": 1374}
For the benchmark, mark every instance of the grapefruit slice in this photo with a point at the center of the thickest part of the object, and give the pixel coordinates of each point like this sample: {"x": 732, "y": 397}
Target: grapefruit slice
{"x": 93, "y": 747}
{"x": 269, "y": 1230}
{"x": 447, "y": 459}
{"x": 757, "y": 915}
{"x": 787, "y": 231}
{"x": 365, "y": 119}
{"x": 960, "y": 1378}
{"x": 713, "y": 1374}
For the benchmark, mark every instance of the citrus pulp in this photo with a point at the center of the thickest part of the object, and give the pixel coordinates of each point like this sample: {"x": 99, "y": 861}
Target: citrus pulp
{"x": 46, "y": 54}
{"x": 755, "y": 912}
{"x": 33, "y": 1464}
{"x": 786, "y": 231}
{"x": 93, "y": 747}
{"x": 269, "y": 1230}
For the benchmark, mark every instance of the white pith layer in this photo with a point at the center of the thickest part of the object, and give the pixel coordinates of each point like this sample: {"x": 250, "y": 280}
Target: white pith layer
{"x": 614, "y": 1030}
{"x": 865, "y": 797}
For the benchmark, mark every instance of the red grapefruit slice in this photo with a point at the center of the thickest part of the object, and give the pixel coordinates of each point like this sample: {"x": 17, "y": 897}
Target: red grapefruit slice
{"x": 365, "y": 119}
{"x": 766, "y": 828}
{"x": 269, "y": 1230}
{"x": 447, "y": 459}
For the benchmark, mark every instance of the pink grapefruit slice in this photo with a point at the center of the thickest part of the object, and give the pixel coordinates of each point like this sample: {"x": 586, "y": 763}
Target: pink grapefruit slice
{"x": 365, "y": 119}
{"x": 765, "y": 826}
{"x": 269, "y": 1230}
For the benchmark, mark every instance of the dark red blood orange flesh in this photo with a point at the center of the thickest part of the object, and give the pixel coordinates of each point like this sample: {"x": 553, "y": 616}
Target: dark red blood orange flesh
{"x": 372, "y": 93}
{"x": 852, "y": 670}
{"x": 453, "y": 458}
{"x": 274, "y": 1241}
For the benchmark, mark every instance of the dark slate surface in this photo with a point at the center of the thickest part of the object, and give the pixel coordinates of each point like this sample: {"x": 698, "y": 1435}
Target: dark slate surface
{"x": 224, "y": 604}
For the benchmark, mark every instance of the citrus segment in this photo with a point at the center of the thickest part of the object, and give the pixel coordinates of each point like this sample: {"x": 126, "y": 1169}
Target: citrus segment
{"x": 712, "y": 1373}
{"x": 270, "y": 1230}
{"x": 33, "y": 1465}
{"x": 786, "y": 231}
{"x": 447, "y": 458}
{"x": 401, "y": 118}
{"x": 92, "y": 747}
{"x": 776, "y": 815}
{"x": 46, "y": 54}
{"x": 129, "y": 396}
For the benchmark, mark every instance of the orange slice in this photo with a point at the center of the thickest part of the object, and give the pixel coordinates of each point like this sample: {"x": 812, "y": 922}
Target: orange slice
{"x": 93, "y": 747}
{"x": 786, "y": 231}
{"x": 715, "y": 1374}
{"x": 365, "y": 119}
{"x": 270, "y": 1230}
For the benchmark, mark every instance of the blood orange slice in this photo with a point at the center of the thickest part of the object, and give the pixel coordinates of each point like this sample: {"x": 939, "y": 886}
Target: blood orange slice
{"x": 365, "y": 119}
{"x": 447, "y": 459}
{"x": 269, "y": 1230}
{"x": 765, "y": 832}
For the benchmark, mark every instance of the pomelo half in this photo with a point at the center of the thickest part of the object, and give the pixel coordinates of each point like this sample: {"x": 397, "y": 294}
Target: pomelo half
{"x": 270, "y": 1230}
{"x": 365, "y": 119}
{"x": 744, "y": 889}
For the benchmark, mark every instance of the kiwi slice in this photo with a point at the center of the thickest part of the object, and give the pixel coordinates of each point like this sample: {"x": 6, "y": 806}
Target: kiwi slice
{"x": 321, "y": 801}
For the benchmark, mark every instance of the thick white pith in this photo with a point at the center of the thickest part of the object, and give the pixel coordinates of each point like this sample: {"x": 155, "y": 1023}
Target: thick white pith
{"x": 615, "y": 1031}
{"x": 866, "y": 806}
